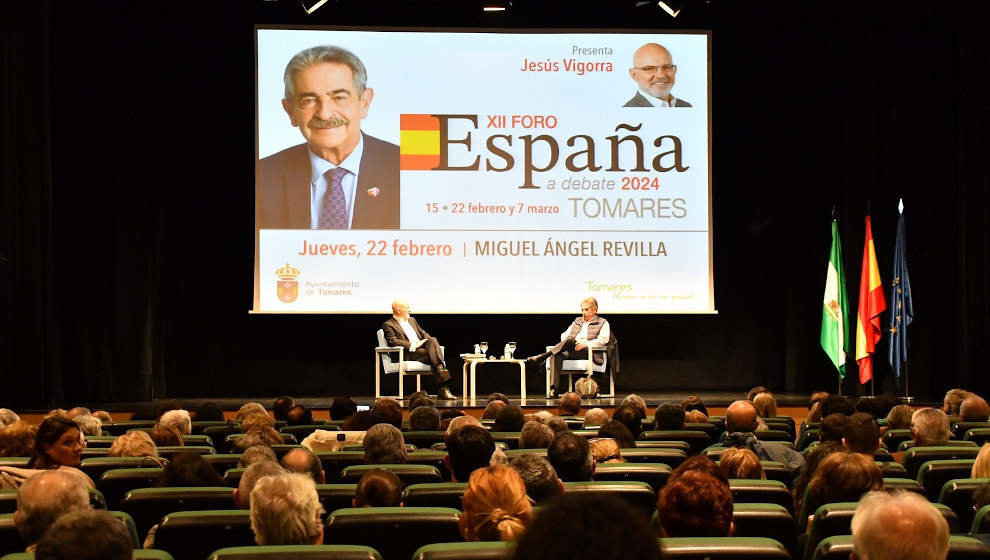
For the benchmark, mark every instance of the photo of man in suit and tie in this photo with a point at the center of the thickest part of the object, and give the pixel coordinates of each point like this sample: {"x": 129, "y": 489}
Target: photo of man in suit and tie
{"x": 340, "y": 177}
{"x": 654, "y": 72}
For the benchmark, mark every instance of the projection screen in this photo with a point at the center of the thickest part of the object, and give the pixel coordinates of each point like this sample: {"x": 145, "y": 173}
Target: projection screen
{"x": 482, "y": 171}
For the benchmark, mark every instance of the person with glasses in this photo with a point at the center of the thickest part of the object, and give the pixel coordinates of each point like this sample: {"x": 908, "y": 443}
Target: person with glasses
{"x": 654, "y": 72}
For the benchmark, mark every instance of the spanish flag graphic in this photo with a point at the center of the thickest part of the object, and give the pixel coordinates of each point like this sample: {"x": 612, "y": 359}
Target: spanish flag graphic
{"x": 419, "y": 142}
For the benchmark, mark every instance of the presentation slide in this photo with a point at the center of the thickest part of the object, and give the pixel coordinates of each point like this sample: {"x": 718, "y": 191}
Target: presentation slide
{"x": 489, "y": 171}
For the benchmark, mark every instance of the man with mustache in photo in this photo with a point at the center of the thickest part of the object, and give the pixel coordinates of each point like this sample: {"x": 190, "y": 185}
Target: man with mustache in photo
{"x": 654, "y": 72}
{"x": 340, "y": 178}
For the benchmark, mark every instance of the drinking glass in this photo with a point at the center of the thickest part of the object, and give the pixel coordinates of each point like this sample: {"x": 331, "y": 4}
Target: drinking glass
{"x": 512, "y": 349}
{"x": 484, "y": 347}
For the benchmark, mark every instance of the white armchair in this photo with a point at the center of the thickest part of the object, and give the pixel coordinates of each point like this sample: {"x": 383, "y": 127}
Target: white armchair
{"x": 391, "y": 359}
{"x": 584, "y": 367}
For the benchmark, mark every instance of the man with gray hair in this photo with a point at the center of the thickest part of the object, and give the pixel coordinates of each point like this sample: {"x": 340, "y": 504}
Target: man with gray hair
{"x": 930, "y": 426}
{"x": 595, "y": 417}
{"x": 902, "y": 526}
{"x": 285, "y": 509}
{"x": 89, "y": 425}
{"x": 178, "y": 419}
{"x": 339, "y": 178}
{"x": 250, "y": 477}
{"x": 45, "y": 497}
{"x": 588, "y": 329}
{"x": 538, "y": 475}
{"x": 535, "y": 435}
{"x": 384, "y": 445}
{"x": 8, "y": 417}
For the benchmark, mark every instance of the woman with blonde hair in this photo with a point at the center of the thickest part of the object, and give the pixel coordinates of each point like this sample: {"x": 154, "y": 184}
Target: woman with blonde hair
{"x": 606, "y": 450}
{"x": 496, "y": 507}
{"x": 133, "y": 444}
{"x": 766, "y": 405}
{"x": 737, "y": 462}
{"x": 981, "y": 467}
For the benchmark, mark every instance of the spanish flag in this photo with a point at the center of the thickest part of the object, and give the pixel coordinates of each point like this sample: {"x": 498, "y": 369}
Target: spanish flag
{"x": 871, "y": 305}
{"x": 419, "y": 142}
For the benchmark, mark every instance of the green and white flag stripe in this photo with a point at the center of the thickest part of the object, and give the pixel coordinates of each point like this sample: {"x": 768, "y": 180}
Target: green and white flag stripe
{"x": 835, "y": 307}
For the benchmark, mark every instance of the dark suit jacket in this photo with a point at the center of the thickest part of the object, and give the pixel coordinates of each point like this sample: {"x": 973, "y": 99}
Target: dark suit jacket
{"x": 282, "y": 195}
{"x": 396, "y": 336}
{"x": 639, "y": 101}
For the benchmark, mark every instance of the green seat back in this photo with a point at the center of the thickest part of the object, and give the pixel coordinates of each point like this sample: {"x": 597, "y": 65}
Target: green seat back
{"x": 697, "y": 439}
{"x": 293, "y": 552}
{"x": 761, "y": 492}
{"x": 719, "y": 548}
{"x": 654, "y": 474}
{"x": 336, "y": 496}
{"x": 917, "y": 456}
{"x": 958, "y": 495}
{"x": 334, "y": 462}
{"x": 407, "y": 473}
{"x": 668, "y": 456}
{"x": 115, "y": 483}
{"x": 979, "y": 436}
{"x": 222, "y": 462}
{"x": 765, "y": 520}
{"x": 423, "y": 439}
{"x": 437, "y": 494}
{"x": 149, "y": 505}
{"x": 933, "y": 475}
{"x": 639, "y": 495}
{"x": 195, "y": 534}
{"x": 396, "y": 532}
{"x": 94, "y": 467}
{"x": 466, "y": 551}
{"x": 904, "y": 484}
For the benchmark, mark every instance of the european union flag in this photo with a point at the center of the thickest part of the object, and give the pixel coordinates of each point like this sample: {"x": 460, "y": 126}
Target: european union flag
{"x": 901, "y": 306}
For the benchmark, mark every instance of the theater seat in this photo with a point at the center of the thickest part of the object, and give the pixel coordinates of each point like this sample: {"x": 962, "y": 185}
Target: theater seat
{"x": 761, "y": 492}
{"x": 903, "y": 484}
{"x": 199, "y": 425}
{"x": 891, "y": 439}
{"x": 222, "y": 462}
{"x": 437, "y": 494}
{"x": 301, "y": 432}
{"x": 10, "y": 539}
{"x": 218, "y": 434}
{"x": 336, "y": 496}
{"x": 960, "y": 548}
{"x": 423, "y": 439}
{"x": 149, "y": 505}
{"x": 467, "y": 551}
{"x": 958, "y": 495}
{"x": 917, "y": 456}
{"x": 195, "y": 534}
{"x": 115, "y": 483}
{"x": 94, "y": 467}
{"x": 336, "y": 461}
{"x": 292, "y": 552}
{"x": 654, "y": 474}
{"x": 8, "y": 501}
{"x": 905, "y": 445}
{"x": 713, "y": 431}
{"x": 892, "y": 469}
{"x": 723, "y": 548}
{"x": 698, "y": 440}
{"x": 681, "y": 445}
{"x": 408, "y": 474}
{"x": 396, "y": 532}
{"x": 636, "y": 494}
{"x": 934, "y": 474}
{"x": 233, "y": 476}
{"x": 775, "y": 470}
{"x": 670, "y": 457}
{"x": 139, "y": 554}
{"x": 509, "y": 438}
{"x": 836, "y": 519}
{"x": 959, "y": 429}
{"x": 765, "y": 520}
{"x": 120, "y": 428}
{"x": 981, "y": 521}
{"x": 431, "y": 458}
{"x": 807, "y": 436}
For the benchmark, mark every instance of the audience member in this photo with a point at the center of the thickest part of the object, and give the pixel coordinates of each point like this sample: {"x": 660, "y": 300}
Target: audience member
{"x": 588, "y": 527}
{"x": 571, "y": 457}
{"x": 165, "y": 436}
{"x": 694, "y": 403}
{"x": 446, "y": 416}
{"x": 537, "y": 473}
{"x": 594, "y": 418}
{"x": 45, "y": 497}
{"x": 468, "y": 448}
{"x": 668, "y": 416}
{"x": 299, "y": 415}
{"x": 86, "y": 535}
{"x": 378, "y": 488}
{"x": 189, "y": 469}
{"x": 899, "y": 417}
{"x": 77, "y": 411}
{"x": 209, "y": 412}
{"x": 250, "y": 477}
{"x": 981, "y": 466}
{"x": 637, "y": 402}
{"x": 285, "y": 509}
{"x": 178, "y": 419}
{"x": 89, "y": 425}
{"x": 424, "y": 419}
{"x": 570, "y": 404}
{"x": 384, "y": 445}
{"x": 267, "y": 437}
{"x": 535, "y": 435}
{"x": 930, "y": 426}
{"x": 462, "y": 421}
{"x": 498, "y": 397}
{"x": 697, "y": 463}
{"x": 509, "y": 419}
{"x": 557, "y": 424}
{"x": 695, "y": 417}
{"x": 542, "y": 416}
{"x": 8, "y": 417}
{"x": 751, "y": 394}
{"x": 766, "y": 405}
{"x": 953, "y": 400}
{"x": 814, "y": 407}
{"x": 628, "y": 416}
{"x": 388, "y": 411}
{"x": 492, "y": 409}
{"x": 741, "y": 463}
{"x": 619, "y": 432}
{"x": 359, "y": 421}
{"x": 874, "y": 406}
{"x": 605, "y": 450}
{"x": 254, "y": 454}
{"x": 17, "y": 439}
{"x": 862, "y": 434}
{"x": 740, "y": 422}
{"x": 57, "y": 443}
{"x": 496, "y": 507}
{"x": 304, "y": 461}
{"x": 695, "y": 505}
{"x": 342, "y": 408}
{"x": 842, "y": 477}
{"x": 281, "y": 407}
{"x": 836, "y": 404}
{"x": 974, "y": 409}
{"x": 813, "y": 458}
{"x": 248, "y": 409}
{"x": 133, "y": 444}
{"x": 833, "y": 427}
{"x": 903, "y": 526}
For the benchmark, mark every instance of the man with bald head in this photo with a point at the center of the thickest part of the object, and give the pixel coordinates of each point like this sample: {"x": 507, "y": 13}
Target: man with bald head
{"x": 974, "y": 409}
{"x": 45, "y": 497}
{"x": 740, "y": 422}
{"x": 654, "y": 71}
{"x": 402, "y": 330}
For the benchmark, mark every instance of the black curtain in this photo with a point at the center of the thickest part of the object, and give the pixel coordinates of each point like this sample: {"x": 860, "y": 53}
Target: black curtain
{"x": 127, "y": 241}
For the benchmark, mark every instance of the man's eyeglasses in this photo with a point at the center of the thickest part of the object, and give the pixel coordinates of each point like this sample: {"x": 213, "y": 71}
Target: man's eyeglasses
{"x": 653, "y": 69}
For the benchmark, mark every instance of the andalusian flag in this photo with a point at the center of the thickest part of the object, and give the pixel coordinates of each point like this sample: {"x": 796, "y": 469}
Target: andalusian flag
{"x": 419, "y": 142}
{"x": 871, "y": 305}
{"x": 835, "y": 309}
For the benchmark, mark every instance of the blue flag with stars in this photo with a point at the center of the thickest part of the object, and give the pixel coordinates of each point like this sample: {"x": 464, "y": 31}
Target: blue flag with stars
{"x": 901, "y": 306}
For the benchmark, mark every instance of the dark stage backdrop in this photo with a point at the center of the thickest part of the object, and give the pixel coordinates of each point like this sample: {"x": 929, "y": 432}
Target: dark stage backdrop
{"x": 127, "y": 210}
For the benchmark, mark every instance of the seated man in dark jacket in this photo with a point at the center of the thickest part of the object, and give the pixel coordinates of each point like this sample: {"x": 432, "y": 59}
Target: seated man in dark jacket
{"x": 740, "y": 423}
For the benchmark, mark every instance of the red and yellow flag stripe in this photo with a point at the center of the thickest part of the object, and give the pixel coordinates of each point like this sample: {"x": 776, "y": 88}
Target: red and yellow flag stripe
{"x": 871, "y": 305}
{"x": 419, "y": 142}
